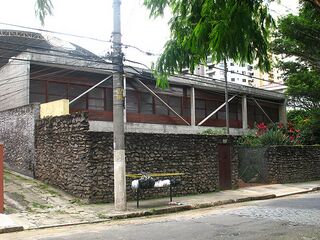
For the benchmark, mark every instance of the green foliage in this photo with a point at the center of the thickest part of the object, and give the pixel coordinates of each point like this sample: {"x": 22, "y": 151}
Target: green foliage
{"x": 276, "y": 134}
{"x": 308, "y": 121}
{"x": 42, "y": 9}
{"x": 297, "y": 40}
{"x": 220, "y": 131}
{"x": 249, "y": 140}
{"x": 220, "y": 29}
{"x": 273, "y": 137}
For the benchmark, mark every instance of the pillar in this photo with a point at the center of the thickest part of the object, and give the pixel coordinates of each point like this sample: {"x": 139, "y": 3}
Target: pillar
{"x": 283, "y": 112}
{"x": 193, "y": 106}
{"x": 244, "y": 111}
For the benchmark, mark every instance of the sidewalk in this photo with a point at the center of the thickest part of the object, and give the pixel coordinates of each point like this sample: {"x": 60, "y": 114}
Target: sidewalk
{"x": 31, "y": 204}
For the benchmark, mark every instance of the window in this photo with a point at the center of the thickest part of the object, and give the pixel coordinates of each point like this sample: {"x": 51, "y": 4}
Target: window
{"x": 210, "y": 107}
{"x": 96, "y": 99}
{"x": 244, "y": 80}
{"x": 75, "y": 91}
{"x": 132, "y": 101}
{"x": 175, "y": 103}
{"x": 200, "y": 108}
{"x": 233, "y": 79}
{"x": 222, "y": 113}
{"x": 146, "y": 103}
{"x": 57, "y": 91}
{"x": 231, "y": 64}
{"x": 109, "y": 100}
{"x": 37, "y": 91}
{"x": 160, "y": 108}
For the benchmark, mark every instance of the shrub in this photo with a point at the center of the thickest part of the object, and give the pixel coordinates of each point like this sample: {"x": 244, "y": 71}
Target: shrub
{"x": 220, "y": 131}
{"x": 274, "y": 137}
{"x": 275, "y": 134}
{"x": 249, "y": 141}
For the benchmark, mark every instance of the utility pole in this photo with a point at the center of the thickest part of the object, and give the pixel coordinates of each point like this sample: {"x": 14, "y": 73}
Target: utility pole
{"x": 226, "y": 95}
{"x": 120, "y": 199}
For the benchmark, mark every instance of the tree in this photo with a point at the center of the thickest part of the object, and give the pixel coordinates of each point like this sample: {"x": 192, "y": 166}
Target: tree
{"x": 297, "y": 40}
{"x": 42, "y": 9}
{"x": 221, "y": 29}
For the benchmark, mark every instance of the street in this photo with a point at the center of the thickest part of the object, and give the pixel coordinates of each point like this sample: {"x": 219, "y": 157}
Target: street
{"x": 294, "y": 217}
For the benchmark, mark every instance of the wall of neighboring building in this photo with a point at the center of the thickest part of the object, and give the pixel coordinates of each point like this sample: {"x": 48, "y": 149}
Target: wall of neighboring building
{"x": 14, "y": 84}
{"x": 279, "y": 164}
{"x": 17, "y": 134}
{"x": 71, "y": 157}
{"x": 287, "y": 164}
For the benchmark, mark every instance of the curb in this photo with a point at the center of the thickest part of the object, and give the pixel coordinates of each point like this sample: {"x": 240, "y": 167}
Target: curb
{"x": 11, "y": 229}
{"x": 165, "y": 210}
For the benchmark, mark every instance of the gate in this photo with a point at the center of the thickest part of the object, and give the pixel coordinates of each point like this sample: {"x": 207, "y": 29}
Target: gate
{"x": 224, "y": 166}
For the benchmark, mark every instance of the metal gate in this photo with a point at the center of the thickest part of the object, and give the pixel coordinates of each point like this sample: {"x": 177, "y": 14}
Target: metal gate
{"x": 224, "y": 166}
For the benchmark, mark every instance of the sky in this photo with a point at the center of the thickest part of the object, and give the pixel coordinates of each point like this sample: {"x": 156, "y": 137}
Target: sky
{"x": 94, "y": 19}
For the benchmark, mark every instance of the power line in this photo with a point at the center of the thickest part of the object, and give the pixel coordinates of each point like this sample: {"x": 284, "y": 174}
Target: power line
{"x": 80, "y": 36}
{"x": 135, "y": 62}
{"x": 62, "y": 64}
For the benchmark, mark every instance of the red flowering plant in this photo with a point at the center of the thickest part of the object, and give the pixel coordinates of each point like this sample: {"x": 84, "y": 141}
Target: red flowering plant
{"x": 293, "y": 134}
{"x": 262, "y": 128}
{"x": 273, "y": 134}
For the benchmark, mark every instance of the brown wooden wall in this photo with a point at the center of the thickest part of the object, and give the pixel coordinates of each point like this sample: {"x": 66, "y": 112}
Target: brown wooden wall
{"x": 49, "y": 84}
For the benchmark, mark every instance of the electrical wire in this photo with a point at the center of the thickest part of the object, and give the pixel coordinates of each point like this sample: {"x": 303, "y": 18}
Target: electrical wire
{"x": 80, "y": 36}
{"x": 135, "y": 62}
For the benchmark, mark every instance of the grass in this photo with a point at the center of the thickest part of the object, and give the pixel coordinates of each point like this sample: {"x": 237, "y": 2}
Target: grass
{"x": 102, "y": 216}
{"x": 47, "y": 188}
{"x": 41, "y": 206}
{"x": 76, "y": 201}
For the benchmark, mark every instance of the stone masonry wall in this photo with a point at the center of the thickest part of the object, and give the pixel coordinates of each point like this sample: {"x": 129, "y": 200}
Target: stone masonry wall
{"x": 287, "y": 164}
{"x": 62, "y": 153}
{"x": 81, "y": 162}
{"x": 17, "y": 134}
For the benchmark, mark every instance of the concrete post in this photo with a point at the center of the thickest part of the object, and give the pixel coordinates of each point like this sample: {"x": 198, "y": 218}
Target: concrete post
{"x": 193, "y": 106}
{"x": 120, "y": 198}
{"x": 283, "y": 113}
{"x": 244, "y": 108}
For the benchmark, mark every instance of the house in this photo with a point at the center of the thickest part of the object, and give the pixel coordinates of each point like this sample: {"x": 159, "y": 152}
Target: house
{"x": 75, "y": 153}
{"x": 35, "y": 68}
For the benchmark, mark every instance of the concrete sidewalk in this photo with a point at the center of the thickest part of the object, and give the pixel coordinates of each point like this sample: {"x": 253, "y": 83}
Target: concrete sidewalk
{"x": 50, "y": 207}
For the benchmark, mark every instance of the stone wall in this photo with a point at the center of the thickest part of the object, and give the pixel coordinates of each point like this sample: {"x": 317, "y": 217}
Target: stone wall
{"x": 62, "y": 153}
{"x": 17, "y": 134}
{"x": 287, "y": 164}
{"x": 81, "y": 162}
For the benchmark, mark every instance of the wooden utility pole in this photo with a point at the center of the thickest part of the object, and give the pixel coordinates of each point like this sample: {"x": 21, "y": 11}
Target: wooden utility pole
{"x": 120, "y": 199}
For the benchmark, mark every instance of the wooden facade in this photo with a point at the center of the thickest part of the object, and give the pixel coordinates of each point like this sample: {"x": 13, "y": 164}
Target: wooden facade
{"x": 49, "y": 84}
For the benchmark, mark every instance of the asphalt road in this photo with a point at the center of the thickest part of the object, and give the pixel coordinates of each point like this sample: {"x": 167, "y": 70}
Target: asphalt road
{"x": 295, "y": 217}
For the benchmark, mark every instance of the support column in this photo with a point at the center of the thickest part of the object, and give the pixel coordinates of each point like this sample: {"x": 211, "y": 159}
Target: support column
{"x": 283, "y": 113}
{"x": 244, "y": 108}
{"x": 193, "y": 106}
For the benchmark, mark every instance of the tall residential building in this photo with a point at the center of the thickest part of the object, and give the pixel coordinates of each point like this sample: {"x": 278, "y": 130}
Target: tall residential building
{"x": 244, "y": 74}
